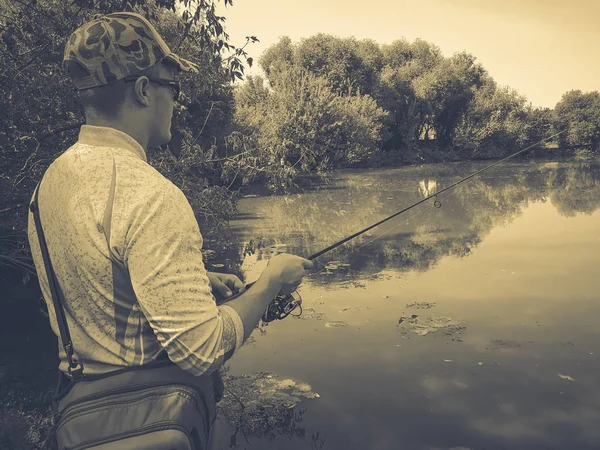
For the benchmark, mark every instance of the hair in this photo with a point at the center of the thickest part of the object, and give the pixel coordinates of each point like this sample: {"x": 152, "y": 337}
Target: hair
{"x": 107, "y": 101}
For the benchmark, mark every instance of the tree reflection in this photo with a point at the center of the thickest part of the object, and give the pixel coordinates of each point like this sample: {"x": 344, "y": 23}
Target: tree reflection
{"x": 305, "y": 223}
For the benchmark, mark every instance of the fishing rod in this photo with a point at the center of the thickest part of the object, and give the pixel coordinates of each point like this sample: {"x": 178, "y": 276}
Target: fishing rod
{"x": 284, "y": 304}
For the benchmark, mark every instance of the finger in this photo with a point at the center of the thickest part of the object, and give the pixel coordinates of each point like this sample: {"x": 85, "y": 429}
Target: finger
{"x": 238, "y": 284}
{"x": 234, "y": 283}
{"x": 221, "y": 288}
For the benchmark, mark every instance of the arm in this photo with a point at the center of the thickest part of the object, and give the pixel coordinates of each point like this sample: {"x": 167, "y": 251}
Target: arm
{"x": 162, "y": 253}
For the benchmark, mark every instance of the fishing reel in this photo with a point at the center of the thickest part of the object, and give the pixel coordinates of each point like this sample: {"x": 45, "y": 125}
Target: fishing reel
{"x": 282, "y": 306}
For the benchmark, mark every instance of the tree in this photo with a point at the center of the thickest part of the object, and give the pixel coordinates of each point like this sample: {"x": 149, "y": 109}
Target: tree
{"x": 403, "y": 63}
{"x": 448, "y": 88}
{"x": 350, "y": 66}
{"x": 496, "y": 120}
{"x": 335, "y": 59}
{"x": 579, "y": 113}
{"x": 277, "y": 56}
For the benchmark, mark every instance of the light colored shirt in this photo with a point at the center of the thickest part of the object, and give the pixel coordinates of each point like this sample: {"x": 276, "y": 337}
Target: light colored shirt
{"x": 126, "y": 250}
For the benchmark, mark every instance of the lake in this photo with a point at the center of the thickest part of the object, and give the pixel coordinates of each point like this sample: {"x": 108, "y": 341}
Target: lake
{"x": 469, "y": 326}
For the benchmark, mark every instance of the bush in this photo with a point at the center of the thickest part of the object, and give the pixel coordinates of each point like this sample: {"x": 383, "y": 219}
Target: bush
{"x": 302, "y": 125}
{"x": 41, "y": 113}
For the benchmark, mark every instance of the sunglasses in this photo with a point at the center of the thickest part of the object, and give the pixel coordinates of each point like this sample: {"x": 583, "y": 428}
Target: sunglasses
{"x": 175, "y": 85}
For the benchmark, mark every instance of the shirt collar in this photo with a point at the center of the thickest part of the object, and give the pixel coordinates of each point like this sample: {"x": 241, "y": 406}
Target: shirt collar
{"x": 110, "y": 137}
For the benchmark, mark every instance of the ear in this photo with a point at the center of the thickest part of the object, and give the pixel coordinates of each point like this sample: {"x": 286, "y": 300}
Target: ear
{"x": 140, "y": 91}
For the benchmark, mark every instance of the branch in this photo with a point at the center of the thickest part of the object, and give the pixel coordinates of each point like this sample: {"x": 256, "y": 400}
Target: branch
{"x": 67, "y": 127}
{"x": 11, "y": 262}
{"x": 30, "y": 60}
{"x": 12, "y": 201}
{"x": 28, "y": 159}
{"x": 232, "y": 181}
{"x": 10, "y": 208}
{"x": 228, "y": 158}
{"x": 69, "y": 27}
{"x": 205, "y": 121}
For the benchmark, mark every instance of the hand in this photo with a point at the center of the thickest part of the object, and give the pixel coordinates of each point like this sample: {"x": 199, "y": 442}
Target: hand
{"x": 223, "y": 284}
{"x": 288, "y": 270}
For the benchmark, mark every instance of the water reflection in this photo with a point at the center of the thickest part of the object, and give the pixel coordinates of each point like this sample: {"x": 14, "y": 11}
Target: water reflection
{"x": 304, "y": 223}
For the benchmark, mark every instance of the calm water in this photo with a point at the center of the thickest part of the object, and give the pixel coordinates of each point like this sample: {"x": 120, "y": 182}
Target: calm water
{"x": 510, "y": 259}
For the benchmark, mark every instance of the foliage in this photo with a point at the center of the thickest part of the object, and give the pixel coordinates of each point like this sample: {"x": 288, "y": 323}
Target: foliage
{"x": 425, "y": 93}
{"x": 579, "y": 113}
{"x": 496, "y": 119}
{"x": 301, "y": 124}
{"x": 41, "y": 112}
{"x": 443, "y": 103}
{"x": 448, "y": 89}
{"x": 350, "y": 66}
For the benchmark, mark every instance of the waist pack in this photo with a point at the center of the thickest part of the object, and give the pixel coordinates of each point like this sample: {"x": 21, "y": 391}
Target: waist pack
{"x": 160, "y": 407}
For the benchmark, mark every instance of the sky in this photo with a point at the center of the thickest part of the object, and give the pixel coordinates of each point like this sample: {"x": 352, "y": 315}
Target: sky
{"x": 541, "y": 48}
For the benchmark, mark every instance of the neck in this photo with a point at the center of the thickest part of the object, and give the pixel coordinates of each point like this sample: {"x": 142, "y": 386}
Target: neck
{"x": 132, "y": 128}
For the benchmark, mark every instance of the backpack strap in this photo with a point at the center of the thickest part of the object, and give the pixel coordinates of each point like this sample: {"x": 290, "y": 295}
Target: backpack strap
{"x": 75, "y": 366}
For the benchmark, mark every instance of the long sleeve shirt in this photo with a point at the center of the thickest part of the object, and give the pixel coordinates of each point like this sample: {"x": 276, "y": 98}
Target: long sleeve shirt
{"x": 126, "y": 250}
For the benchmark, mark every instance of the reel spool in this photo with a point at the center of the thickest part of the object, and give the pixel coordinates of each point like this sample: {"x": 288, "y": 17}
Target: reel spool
{"x": 282, "y": 306}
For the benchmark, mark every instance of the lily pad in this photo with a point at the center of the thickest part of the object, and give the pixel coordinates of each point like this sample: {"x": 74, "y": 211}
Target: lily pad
{"x": 336, "y": 324}
{"x": 420, "y": 305}
{"x": 566, "y": 377}
{"x": 434, "y": 325}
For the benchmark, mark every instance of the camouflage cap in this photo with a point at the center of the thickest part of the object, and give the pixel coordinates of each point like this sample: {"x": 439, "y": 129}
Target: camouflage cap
{"x": 114, "y": 46}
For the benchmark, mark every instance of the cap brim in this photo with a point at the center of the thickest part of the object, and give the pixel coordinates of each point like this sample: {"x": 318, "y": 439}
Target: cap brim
{"x": 182, "y": 64}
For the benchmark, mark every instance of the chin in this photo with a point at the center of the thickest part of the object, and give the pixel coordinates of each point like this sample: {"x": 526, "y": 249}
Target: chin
{"x": 162, "y": 139}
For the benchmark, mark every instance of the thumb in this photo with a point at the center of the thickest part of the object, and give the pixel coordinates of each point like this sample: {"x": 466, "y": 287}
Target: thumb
{"x": 307, "y": 264}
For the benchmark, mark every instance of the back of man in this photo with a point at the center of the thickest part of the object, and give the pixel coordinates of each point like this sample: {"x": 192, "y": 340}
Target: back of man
{"x": 100, "y": 201}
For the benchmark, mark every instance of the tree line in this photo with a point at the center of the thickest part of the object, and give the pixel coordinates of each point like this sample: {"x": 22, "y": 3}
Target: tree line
{"x": 324, "y": 102}
{"x": 403, "y": 100}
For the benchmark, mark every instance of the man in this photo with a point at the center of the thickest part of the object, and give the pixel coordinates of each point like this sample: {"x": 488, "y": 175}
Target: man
{"x": 123, "y": 240}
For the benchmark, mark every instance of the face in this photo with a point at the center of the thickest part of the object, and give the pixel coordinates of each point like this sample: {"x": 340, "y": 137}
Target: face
{"x": 161, "y": 111}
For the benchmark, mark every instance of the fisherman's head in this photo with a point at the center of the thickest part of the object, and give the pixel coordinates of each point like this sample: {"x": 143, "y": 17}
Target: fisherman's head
{"x": 125, "y": 75}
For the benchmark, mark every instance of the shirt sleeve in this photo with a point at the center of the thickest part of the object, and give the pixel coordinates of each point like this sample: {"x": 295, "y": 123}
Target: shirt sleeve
{"x": 164, "y": 259}
{"x": 233, "y": 330}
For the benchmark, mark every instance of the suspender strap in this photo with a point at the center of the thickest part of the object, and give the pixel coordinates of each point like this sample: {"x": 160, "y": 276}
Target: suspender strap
{"x": 75, "y": 366}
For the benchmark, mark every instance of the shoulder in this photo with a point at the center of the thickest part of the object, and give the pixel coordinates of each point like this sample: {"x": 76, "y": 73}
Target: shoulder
{"x": 142, "y": 189}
